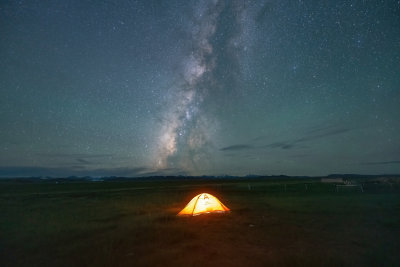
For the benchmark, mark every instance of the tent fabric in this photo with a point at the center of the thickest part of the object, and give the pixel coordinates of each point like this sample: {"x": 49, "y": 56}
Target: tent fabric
{"x": 203, "y": 203}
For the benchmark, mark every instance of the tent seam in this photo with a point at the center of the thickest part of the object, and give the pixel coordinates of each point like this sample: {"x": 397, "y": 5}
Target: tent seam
{"x": 196, "y": 203}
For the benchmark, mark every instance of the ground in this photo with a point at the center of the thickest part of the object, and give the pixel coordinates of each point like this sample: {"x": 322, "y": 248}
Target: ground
{"x": 281, "y": 222}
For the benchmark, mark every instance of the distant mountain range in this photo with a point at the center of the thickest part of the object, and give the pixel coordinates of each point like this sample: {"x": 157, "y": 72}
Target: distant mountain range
{"x": 204, "y": 177}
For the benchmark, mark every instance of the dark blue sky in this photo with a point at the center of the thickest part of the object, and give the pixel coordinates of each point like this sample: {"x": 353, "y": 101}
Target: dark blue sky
{"x": 199, "y": 87}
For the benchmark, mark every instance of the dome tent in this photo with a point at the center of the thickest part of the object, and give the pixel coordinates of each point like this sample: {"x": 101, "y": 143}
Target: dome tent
{"x": 203, "y": 203}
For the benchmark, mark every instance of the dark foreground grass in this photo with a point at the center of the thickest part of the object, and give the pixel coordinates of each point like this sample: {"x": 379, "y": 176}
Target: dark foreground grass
{"x": 134, "y": 224}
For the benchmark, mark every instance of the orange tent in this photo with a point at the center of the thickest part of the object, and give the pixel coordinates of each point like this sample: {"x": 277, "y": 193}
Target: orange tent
{"x": 203, "y": 203}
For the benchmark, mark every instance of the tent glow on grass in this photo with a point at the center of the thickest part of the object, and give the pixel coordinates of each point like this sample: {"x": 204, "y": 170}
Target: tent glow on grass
{"x": 203, "y": 203}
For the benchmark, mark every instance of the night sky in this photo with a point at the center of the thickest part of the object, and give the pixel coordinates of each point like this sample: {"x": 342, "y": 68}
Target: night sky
{"x": 139, "y": 88}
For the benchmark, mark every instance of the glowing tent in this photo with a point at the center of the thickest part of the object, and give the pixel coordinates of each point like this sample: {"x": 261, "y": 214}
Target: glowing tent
{"x": 203, "y": 203}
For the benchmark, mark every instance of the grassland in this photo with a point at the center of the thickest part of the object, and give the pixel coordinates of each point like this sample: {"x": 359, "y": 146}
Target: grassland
{"x": 133, "y": 223}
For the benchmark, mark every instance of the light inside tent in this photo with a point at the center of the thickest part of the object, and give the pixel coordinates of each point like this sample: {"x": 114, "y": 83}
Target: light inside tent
{"x": 203, "y": 203}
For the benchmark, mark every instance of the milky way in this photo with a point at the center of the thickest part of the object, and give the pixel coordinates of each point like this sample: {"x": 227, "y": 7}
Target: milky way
{"x": 184, "y": 126}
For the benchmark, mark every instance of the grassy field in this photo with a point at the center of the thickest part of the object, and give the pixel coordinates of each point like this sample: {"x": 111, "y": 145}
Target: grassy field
{"x": 134, "y": 223}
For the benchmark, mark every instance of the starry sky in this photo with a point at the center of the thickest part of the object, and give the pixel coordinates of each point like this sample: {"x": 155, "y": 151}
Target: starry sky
{"x": 207, "y": 87}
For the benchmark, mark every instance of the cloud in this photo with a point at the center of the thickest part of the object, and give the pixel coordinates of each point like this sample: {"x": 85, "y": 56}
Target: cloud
{"x": 237, "y": 147}
{"x": 283, "y": 145}
{"x": 84, "y": 161}
{"x": 73, "y": 155}
{"x": 78, "y": 160}
{"x": 27, "y": 171}
{"x": 381, "y": 162}
{"x": 312, "y": 135}
{"x": 80, "y": 171}
{"x": 317, "y": 134}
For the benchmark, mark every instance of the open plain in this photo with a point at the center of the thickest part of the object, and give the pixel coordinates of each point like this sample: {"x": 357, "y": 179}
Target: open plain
{"x": 273, "y": 222}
